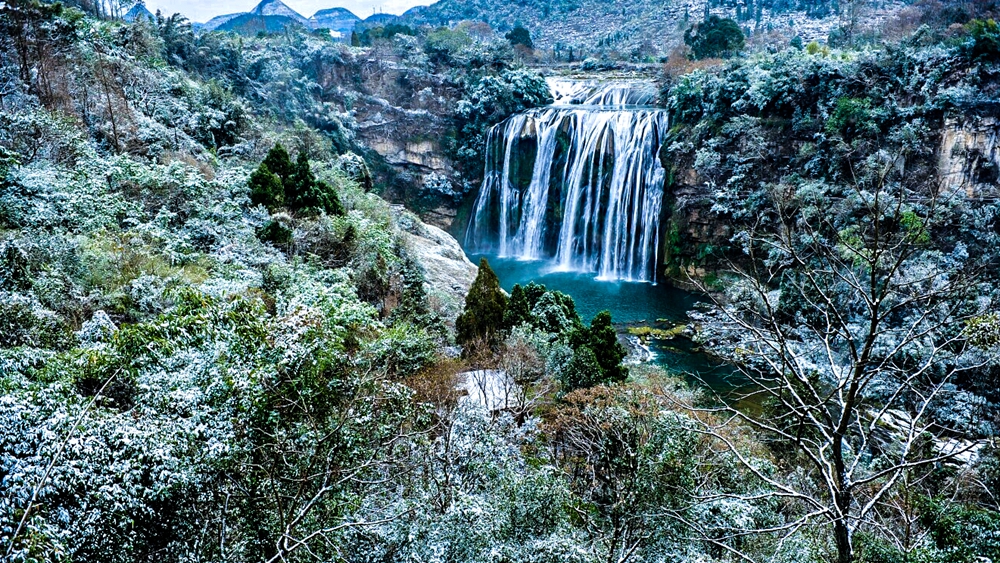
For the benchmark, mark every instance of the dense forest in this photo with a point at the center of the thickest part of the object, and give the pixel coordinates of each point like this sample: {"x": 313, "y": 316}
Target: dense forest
{"x": 225, "y": 334}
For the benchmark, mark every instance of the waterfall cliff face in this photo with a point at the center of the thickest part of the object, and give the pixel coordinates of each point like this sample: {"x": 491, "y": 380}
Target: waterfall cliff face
{"x": 577, "y": 183}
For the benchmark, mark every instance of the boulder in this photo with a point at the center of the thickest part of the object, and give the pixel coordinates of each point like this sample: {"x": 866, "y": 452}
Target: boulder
{"x": 449, "y": 273}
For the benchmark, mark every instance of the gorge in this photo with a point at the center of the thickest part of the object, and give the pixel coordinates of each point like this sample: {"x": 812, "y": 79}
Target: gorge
{"x": 740, "y": 298}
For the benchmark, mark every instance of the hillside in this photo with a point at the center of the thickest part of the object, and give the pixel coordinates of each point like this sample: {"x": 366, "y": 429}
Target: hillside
{"x": 591, "y": 26}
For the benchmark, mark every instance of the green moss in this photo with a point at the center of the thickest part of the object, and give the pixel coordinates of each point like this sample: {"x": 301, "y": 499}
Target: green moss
{"x": 650, "y": 333}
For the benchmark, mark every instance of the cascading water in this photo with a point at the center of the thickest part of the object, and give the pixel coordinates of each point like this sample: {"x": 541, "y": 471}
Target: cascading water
{"x": 594, "y": 196}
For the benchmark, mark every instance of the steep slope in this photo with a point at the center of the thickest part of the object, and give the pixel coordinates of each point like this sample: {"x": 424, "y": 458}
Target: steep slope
{"x": 633, "y": 24}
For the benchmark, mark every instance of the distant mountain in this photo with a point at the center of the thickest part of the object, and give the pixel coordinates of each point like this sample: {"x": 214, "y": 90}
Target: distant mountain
{"x": 278, "y": 9}
{"x": 274, "y": 15}
{"x": 380, "y": 19}
{"x": 268, "y": 16}
{"x": 340, "y": 20}
{"x": 217, "y": 21}
{"x": 139, "y": 12}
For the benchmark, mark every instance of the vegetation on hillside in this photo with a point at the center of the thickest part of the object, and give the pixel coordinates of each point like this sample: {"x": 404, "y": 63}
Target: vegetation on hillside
{"x": 217, "y": 345}
{"x": 851, "y": 275}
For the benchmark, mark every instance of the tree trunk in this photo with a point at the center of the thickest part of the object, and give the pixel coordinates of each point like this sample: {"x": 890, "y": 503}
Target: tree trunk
{"x": 845, "y": 547}
{"x": 843, "y": 496}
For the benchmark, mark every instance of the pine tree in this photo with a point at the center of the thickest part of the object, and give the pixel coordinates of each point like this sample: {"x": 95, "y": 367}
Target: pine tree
{"x": 600, "y": 341}
{"x": 609, "y": 352}
{"x": 518, "y": 309}
{"x": 330, "y": 200}
{"x": 266, "y": 188}
{"x": 280, "y": 164}
{"x": 299, "y": 190}
{"x": 522, "y": 301}
{"x": 484, "y": 309}
{"x": 309, "y": 195}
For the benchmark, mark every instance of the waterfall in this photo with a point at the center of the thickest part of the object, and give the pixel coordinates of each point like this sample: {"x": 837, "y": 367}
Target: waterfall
{"x": 594, "y": 196}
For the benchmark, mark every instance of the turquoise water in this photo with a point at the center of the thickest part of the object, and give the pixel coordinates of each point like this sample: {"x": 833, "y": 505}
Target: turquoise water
{"x": 630, "y": 303}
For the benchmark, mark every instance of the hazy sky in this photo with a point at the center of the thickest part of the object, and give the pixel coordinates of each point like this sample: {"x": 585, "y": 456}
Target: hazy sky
{"x": 204, "y": 10}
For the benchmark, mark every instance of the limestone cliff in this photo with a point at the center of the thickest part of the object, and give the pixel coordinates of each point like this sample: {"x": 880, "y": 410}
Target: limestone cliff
{"x": 969, "y": 157}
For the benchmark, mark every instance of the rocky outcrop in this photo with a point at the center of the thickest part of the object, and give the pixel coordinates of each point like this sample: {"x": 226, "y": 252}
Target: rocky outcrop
{"x": 969, "y": 158}
{"x": 406, "y": 122}
{"x": 421, "y": 154}
{"x": 449, "y": 273}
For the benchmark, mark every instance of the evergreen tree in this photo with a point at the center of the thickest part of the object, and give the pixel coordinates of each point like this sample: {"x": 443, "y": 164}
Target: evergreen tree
{"x": 330, "y": 199}
{"x": 715, "y": 37}
{"x": 299, "y": 190}
{"x": 609, "y": 352}
{"x": 485, "y": 306}
{"x": 414, "y": 305}
{"x": 553, "y": 312}
{"x": 600, "y": 341}
{"x": 520, "y": 36}
{"x": 583, "y": 371}
{"x": 518, "y": 308}
{"x": 522, "y": 301}
{"x": 280, "y": 164}
{"x": 266, "y": 188}
{"x": 308, "y": 195}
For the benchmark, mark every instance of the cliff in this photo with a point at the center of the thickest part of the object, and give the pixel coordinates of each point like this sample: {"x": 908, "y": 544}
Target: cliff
{"x": 969, "y": 156}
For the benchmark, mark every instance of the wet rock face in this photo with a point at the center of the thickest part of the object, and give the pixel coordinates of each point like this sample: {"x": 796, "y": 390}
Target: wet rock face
{"x": 449, "y": 273}
{"x": 969, "y": 158}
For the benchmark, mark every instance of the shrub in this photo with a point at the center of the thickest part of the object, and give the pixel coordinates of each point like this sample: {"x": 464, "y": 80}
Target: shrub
{"x": 583, "y": 371}
{"x": 24, "y": 323}
{"x": 443, "y": 44}
{"x": 985, "y": 39}
{"x": 15, "y": 271}
{"x": 552, "y": 312}
{"x": 402, "y": 350}
{"x": 103, "y": 374}
{"x": 276, "y": 232}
